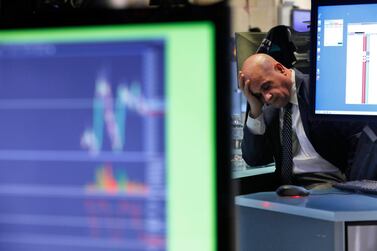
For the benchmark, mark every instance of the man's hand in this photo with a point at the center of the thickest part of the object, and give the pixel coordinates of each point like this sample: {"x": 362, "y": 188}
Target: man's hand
{"x": 254, "y": 101}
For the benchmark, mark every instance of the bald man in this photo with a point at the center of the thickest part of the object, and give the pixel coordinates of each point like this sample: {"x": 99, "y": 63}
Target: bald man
{"x": 320, "y": 149}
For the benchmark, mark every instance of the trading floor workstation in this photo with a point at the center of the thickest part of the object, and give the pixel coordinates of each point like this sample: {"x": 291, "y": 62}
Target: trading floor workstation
{"x": 343, "y": 89}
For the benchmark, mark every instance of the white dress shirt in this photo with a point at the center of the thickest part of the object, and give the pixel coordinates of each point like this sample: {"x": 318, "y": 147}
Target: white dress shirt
{"x": 305, "y": 158}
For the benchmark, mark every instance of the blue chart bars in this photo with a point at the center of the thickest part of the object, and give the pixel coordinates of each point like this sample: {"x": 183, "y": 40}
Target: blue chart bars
{"x": 82, "y": 152}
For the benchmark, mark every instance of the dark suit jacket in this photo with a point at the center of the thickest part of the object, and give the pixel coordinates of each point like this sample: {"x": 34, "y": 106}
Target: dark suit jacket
{"x": 329, "y": 139}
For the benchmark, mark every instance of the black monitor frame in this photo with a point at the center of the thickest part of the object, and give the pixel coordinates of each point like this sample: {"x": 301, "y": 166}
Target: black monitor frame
{"x": 218, "y": 14}
{"x": 313, "y": 62}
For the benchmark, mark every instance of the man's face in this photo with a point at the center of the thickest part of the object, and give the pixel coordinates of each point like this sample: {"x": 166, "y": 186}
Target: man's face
{"x": 273, "y": 88}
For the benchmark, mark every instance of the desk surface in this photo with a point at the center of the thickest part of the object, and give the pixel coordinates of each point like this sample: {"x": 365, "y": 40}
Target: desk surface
{"x": 248, "y": 171}
{"x": 330, "y": 205}
{"x": 253, "y": 171}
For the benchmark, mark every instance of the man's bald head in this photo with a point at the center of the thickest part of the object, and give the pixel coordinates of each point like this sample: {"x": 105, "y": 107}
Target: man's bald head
{"x": 267, "y": 78}
{"x": 258, "y": 63}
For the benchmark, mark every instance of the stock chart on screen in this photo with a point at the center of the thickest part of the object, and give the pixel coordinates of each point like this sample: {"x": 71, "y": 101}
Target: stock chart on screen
{"x": 82, "y": 149}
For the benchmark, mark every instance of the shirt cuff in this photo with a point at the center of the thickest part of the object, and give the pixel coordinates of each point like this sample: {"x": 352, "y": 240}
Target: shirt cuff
{"x": 256, "y": 126}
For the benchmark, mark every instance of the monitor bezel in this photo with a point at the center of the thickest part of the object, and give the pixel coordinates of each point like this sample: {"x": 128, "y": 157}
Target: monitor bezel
{"x": 313, "y": 63}
{"x": 218, "y": 14}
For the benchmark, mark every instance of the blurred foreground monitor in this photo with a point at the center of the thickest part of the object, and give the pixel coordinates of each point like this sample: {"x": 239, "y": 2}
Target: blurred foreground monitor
{"x": 113, "y": 133}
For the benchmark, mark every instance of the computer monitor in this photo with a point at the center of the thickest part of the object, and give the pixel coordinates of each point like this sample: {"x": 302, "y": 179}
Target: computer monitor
{"x": 300, "y": 20}
{"x": 344, "y": 59}
{"x": 114, "y": 131}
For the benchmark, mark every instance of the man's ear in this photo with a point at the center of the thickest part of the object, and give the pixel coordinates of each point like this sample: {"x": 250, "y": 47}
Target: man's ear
{"x": 280, "y": 68}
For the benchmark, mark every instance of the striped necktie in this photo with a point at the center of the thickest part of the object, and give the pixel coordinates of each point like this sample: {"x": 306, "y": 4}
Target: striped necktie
{"x": 286, "y": 146}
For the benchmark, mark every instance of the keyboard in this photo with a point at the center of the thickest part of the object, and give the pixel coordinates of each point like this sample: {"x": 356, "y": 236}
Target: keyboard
{"x": 358, "y": 186}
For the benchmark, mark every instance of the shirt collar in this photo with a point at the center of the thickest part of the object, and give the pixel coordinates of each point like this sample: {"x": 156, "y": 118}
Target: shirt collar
{"x": 293, "y": 99}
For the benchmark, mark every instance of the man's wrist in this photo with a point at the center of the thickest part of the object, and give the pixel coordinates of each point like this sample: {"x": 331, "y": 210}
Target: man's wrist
{"x": 256, "y": 125}
{"x": 253, "y": 116}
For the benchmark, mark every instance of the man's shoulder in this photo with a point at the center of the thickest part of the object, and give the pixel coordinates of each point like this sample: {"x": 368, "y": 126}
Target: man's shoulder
{"x": 302, "y": 79}
{"x": 301, "y": 75}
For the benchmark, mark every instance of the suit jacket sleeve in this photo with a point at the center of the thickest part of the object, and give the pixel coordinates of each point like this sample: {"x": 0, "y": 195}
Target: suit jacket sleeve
{"x": 257, "y": 149}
